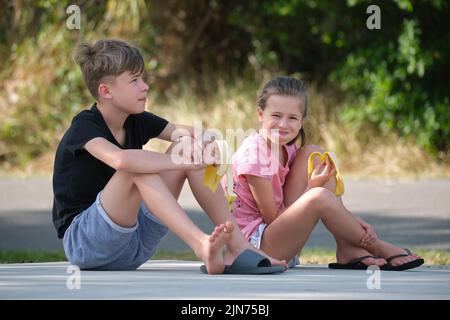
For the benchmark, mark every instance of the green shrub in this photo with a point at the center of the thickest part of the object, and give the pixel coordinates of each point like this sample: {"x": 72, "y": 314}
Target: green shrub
{"x": 391, "y": 90}
{"x": 49, "y": 92}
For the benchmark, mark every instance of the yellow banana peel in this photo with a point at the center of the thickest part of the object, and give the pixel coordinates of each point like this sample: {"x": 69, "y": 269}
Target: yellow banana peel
{"x": 339, "y": 182}
{"x": 214, "y": 173}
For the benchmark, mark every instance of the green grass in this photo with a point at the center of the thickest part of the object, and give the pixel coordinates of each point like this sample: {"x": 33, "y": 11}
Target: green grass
{"x": 169, "y": 255}
{"x": 26, "y": 256}
{"x": 324, "y": 256}
{"x": 308, "y": 256}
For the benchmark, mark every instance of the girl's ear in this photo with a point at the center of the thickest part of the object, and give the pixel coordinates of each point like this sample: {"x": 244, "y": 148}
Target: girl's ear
{"x": 260, "y": 114}
{"x": 104, "y": 92}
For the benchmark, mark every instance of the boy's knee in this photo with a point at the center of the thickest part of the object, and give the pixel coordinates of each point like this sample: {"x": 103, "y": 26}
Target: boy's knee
{"x": 139, "y": 177}
{"x": 172, "y": 146}
{"x": 125, "y": 176}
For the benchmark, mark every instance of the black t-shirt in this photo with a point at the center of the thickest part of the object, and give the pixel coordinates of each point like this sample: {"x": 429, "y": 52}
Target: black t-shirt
{"x": 78, "y": 176}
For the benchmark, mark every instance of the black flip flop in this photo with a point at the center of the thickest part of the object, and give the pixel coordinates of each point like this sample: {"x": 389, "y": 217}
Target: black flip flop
{"x": 405, "y": 266}
{"x": 356, "y": 264}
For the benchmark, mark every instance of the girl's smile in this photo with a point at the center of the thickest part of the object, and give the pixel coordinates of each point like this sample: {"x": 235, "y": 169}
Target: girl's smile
{"x": 281, "y": 119}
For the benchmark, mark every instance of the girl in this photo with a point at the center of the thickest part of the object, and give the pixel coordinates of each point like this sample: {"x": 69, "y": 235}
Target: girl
{"x": 277, "y": 205}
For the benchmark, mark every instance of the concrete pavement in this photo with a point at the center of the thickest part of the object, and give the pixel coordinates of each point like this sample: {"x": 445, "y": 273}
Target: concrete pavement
{"x": 414, "y": 213}
{"x": 183, "y": 280}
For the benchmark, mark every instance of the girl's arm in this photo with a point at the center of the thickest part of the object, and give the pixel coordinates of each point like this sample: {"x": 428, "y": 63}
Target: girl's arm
{"x": 265, "y": 199}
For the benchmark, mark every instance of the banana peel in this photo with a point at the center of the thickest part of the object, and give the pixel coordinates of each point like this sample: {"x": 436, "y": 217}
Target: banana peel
{"x": 214, "y": 173}
{"x": 339, "y": 182}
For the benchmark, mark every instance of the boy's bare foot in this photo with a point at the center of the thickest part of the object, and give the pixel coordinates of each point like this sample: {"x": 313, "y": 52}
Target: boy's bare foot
{"x": 386, "y": 250}
{"x": 213, "y": 249}
{"x": 348, "y": 252}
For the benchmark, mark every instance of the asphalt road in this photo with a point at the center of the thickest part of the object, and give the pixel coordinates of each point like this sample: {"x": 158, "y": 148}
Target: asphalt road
{"x": 406, "y": 213}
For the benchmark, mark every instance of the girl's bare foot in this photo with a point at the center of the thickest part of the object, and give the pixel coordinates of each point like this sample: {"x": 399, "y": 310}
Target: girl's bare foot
{"x": 347, "y": 252}
{"x": 385, "y": 250}
{"x": 214, "y": 246}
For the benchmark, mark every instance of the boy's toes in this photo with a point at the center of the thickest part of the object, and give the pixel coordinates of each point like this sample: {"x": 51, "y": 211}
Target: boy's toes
{"x": 228, "y": 227}
{"x": 216, "y": 232}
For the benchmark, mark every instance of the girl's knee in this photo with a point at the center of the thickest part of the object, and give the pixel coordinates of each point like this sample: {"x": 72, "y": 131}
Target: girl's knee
{"x": 304, "y": 152}
{"x": 300, "y": 161}
{"x": 310, "y": 148}
{"x": 320, "y": 198}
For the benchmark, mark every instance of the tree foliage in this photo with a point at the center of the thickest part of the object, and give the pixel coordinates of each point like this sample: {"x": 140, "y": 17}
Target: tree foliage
{"x": 395, "y": 79}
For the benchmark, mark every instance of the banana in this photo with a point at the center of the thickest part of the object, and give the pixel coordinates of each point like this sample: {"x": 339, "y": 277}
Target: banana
{"x": 339, "y": 182}
{"x": 214, "y": 173}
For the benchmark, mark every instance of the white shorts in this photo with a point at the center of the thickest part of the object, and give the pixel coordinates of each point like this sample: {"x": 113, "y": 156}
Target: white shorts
{"x": 255, "y": 240}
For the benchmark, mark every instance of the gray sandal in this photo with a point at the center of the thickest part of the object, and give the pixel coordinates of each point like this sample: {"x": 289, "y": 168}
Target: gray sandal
{"x": 249, "y": 262}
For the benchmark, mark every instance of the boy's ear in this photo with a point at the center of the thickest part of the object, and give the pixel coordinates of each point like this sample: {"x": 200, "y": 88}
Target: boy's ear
{"x": 260, "y": 113}
{"x": 103, "y": 91}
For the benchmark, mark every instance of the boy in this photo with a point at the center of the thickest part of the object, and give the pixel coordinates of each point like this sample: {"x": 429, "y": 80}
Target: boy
{"x": 113, "y": 200}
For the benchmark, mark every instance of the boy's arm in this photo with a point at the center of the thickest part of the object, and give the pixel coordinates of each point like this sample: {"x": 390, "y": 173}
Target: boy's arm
{"x": 180, "y": 130}
{"x": 183, "y": 130}
{"x": 134, "y": 160}
{"x": 265, "y": 199}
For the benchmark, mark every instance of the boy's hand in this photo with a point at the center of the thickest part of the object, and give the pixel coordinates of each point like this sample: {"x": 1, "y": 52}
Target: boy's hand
{"x": 191, "y": 153}
{"x": 321, "y": 174}
{"x": 211, "y": 153}
{"x": 197, "y": 156}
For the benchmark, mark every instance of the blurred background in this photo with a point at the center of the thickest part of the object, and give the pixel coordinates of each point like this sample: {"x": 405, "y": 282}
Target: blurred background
{"x": 378, "y": 98}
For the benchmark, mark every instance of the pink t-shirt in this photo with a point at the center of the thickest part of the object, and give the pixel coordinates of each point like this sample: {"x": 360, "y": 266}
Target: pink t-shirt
{"x": 255, "y": 158}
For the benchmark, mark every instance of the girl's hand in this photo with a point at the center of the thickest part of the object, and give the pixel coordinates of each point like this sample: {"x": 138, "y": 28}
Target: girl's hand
{"x": 321, "y": 174}
{"x": 370, "y": 236}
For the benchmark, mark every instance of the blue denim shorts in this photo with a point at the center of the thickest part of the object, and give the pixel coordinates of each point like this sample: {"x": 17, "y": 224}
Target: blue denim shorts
{"x": 255, "y": 240}
{"x": 94, "y": 241}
